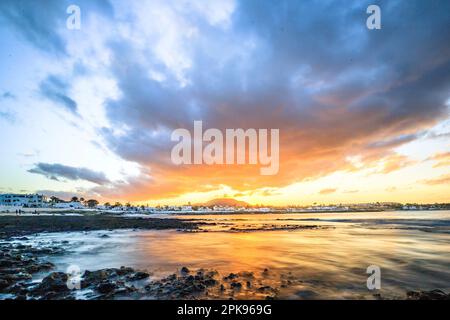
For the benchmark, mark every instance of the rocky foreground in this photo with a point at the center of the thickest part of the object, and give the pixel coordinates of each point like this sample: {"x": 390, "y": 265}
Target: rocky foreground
{"x": 26, "y": 273}
{"x": 13, "y": 226}
{"x": 21, "y": 265}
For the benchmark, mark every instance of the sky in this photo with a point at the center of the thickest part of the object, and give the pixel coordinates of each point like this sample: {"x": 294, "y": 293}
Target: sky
{"x": 363, "y": 114}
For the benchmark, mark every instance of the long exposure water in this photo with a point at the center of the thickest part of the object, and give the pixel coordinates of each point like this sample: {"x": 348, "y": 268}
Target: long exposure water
{"x": 307, "y": 256}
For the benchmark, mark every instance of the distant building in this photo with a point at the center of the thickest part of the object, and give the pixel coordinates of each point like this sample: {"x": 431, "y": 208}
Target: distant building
{"x": 69, "y": 205}
{"x": 22, "y": 200}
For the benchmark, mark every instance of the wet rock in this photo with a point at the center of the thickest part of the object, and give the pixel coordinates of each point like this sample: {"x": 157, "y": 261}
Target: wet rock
{"x": 106, "y": 287}
{"x": 183, "y": 287}
{"x": 34, "y": 268}
{"x": 246, "y": 274}
{"x": 265, "y": 289}
{"x": 307, "y": 294}
{"x": 231, "y": 276}
{"x": 5, "y": 263}
{"x": 124, "y": 271}
{"x": 139, "y": 275}
{"x": 236, "y": 285}
{"x": 4, "y": 284}
{"x": 95, "y": 277}
{"x": 427, "y": 295}
{"x": 21, "y": 276}
{"x": 209, "y": 282}
{"x": 104, "y": 236}
{"x": 54, "y": 282}
{"x": 17, "y": 289}
{"x": 185, "y": 270}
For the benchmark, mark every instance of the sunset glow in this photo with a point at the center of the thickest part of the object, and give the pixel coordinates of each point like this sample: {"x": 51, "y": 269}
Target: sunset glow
{"x": 363, "y": 115}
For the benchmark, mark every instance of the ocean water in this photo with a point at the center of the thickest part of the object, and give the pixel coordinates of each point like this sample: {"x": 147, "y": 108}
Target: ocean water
{"x": 307, "y": 256}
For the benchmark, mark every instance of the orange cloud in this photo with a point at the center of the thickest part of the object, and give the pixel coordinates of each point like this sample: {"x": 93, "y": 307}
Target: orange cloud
{"x": 327, "y": 191}
{"x": 444, "y": 179}
{"x": 442, "y": 159}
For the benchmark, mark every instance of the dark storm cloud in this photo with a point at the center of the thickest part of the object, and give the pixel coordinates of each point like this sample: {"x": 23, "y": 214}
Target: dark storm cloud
{"x": 310, "y": 68}
{"x": 58, "y": 171}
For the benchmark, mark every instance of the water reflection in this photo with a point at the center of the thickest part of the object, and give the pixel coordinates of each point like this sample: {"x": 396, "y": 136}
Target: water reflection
{"x": 329, "y": 261}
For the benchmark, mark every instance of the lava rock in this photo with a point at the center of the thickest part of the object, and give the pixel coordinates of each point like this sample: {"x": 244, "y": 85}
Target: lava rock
{"x": 106, "y": 287}
{"x": 185, "y": 270}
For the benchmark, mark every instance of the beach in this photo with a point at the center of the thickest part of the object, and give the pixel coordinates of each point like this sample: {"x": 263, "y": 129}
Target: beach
{"x": 240, "y": 256}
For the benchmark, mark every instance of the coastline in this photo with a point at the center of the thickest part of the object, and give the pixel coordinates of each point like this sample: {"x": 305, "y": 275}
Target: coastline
{"x": 13, "y": 226}
{"x": 26, "y": 271}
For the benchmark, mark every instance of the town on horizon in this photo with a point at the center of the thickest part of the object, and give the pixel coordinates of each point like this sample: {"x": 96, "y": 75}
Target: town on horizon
{"x": 13, "y": 202}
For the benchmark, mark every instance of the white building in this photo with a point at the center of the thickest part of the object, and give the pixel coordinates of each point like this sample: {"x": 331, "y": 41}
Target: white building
{"x": 68, "y": 205}
{"x": 22, "y": 200}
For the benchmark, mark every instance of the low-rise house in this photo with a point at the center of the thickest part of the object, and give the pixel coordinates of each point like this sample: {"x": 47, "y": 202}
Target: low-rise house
{"x": 69, "y": 205}
{"x": 23, "y": 200}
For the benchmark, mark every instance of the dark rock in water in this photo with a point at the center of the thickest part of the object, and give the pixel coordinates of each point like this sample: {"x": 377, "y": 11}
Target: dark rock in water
{"x": 124, "y": 271}
{"x": 106, "y": 287}
{"x": 306, "y": 294}
{"x": 21, "y": 276}
{"x": 4, "y": 284}
{"x": 54, "y": 282}
{"x": 183, "y": 287}
{"x": 5, "y": 263}
{"x": 209, "y": 282}
{"x": 231, "y": 276}
{"x": 17, "y": 289}
{"x": 104, "y": 236}
{"x": 170, "y": 278}
{"x": 139, "y": 275}
{"x": 427, "y": 295}
{"x": 95, "y": 277}
{"x": 265, "y": 289}
{"x": 34, "y": 268}
{"x": 246, "y": 274}
{"x": 236, "y": 285}
{"x": 185, "y": 270}
{"x": 249, "y": 285}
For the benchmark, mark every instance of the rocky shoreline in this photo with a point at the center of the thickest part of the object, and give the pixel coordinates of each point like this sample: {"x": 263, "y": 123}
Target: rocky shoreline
{"x": 26, "y": 272}
{"x": 14, "y": 226}
{"x": 19, "y": 265}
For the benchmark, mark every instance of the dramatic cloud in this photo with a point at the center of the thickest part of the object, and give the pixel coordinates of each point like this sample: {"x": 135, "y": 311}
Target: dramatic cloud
{"x": 311, "y": 69}
{"x": 333, "y": 87}
{"x": 59, "y": 171}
